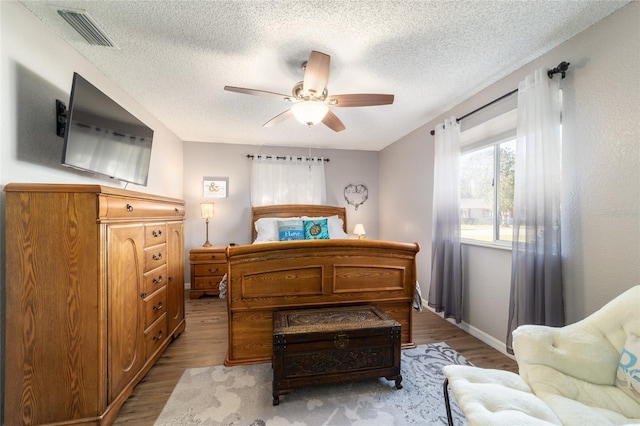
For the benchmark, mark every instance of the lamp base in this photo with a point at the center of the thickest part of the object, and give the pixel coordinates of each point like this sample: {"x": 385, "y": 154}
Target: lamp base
{"x": 207, "y": 243}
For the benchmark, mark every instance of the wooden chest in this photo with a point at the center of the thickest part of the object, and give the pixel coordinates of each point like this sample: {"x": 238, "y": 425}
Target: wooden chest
{"x": 330, "y": 345}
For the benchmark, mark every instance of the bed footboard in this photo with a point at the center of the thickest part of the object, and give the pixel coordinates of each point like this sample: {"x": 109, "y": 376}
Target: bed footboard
{"x": 263, "y": 278}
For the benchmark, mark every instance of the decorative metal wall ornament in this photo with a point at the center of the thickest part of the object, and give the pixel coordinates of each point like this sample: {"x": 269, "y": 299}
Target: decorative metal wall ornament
{"x": 356, "y": 194}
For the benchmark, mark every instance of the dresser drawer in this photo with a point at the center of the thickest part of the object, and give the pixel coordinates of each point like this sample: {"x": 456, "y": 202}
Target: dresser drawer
{"x": 155, "y": 256}
{"x": 155, "y": 279}
{"x": 154, "y": 234}
{"x": 208, "y": 283}
{"x": 155, "y": 306}
{"x": 113, "y": 207}
{"x": 155, "y": 335}
{"x": 210, "y": 269}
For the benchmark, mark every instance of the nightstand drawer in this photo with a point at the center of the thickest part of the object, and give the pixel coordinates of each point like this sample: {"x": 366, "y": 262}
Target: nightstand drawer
{"x": 210, "y": 269}
{"x": 208, "y": 283}
{"x": 217, "y": 257}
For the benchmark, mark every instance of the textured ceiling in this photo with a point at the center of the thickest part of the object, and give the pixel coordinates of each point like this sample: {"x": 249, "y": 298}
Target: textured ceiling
{"x": 175, "y": 57}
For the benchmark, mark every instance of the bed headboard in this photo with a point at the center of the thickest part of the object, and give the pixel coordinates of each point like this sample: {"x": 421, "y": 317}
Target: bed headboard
{"x": 295, "y": 210}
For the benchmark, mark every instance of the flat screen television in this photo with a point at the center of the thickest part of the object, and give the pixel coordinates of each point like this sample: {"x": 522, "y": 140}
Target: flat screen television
{"x": 104, "y": 138}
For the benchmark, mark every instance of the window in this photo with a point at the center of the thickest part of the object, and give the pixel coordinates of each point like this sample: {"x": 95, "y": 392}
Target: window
{"x": 486, "y": 192}
{"x": 487, "y": 171}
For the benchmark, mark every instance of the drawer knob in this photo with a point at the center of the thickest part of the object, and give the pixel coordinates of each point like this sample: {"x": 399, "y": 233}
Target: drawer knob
{"x": 214, "y": 271}
{"x": 157, "y": 280}
{"x": 143, "y": 294}
{"x": 157, "y": 256}
{"x": 176, "y": 210}
{"x": 170, "y": 279}
{"x": 129, "y": 208}
{"x": 157, "y": 307}
{"x": 158, "y": 336}
{"x": 156, "y": 233}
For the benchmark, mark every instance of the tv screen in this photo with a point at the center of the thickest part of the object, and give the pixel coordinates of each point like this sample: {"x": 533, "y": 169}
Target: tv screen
{"x": 104, "y": 138}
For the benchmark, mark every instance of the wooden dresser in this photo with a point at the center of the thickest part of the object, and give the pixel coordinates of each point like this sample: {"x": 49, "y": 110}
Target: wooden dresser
{"x": 95, "y": 293}
{"x": 208, "y": 267}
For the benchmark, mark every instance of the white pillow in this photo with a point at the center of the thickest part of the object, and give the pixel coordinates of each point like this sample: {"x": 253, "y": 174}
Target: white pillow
{"x": 335, "y": 224}
{"x": 267, "y": 228}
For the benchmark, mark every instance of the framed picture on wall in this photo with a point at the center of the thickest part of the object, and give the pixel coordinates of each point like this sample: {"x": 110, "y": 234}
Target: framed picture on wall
{"x": 215, "y": 187}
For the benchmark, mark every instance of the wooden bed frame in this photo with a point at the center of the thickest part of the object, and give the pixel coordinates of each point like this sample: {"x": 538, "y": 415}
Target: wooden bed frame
{"x": 267, "y": 277}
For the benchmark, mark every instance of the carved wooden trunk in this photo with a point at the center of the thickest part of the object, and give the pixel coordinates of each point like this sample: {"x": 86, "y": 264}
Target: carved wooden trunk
{"x": 329, "y": 345}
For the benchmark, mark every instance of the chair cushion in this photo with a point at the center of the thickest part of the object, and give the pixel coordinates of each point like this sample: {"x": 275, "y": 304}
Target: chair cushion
{"x": 496, "y": 397}
{"x": 575, "y": 413}
{"x": 546, "y": 382}
{"x": 628, "y": 374}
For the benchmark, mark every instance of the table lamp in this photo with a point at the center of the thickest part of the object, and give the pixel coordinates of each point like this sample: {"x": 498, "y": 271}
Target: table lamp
{"x": 359, "y": 231}
{"x": 206, "y": 211}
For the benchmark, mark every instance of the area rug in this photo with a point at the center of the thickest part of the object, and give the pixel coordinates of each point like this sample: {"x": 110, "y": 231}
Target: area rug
{"x": 241, "y": 396}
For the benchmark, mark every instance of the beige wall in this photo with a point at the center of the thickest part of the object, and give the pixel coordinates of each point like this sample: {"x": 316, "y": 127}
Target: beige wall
{"x": 601, "y": 179}
{"x": 37, "y": 68}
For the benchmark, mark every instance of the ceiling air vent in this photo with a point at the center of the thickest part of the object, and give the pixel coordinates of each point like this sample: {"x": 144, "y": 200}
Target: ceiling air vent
{"x": 86, "y": 27}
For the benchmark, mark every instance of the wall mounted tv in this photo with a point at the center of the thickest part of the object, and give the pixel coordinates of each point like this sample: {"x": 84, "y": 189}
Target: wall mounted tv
{"x": 102, "y": 137}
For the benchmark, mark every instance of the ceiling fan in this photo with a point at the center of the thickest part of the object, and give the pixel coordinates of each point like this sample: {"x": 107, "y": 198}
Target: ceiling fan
{"x": 310, "y": 98}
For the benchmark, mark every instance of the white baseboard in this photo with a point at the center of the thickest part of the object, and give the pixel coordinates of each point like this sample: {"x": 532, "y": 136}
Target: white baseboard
{"x": 478, "y": 334}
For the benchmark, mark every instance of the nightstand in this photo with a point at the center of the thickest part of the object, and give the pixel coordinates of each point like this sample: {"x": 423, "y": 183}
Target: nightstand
{"x": 208, "y": 266}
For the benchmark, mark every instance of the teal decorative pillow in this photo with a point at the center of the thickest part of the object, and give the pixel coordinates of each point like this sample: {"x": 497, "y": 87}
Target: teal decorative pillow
{"x": 316, "y": 229}
{"x": 290, "y": 230}
{"x": 628, "y": 374}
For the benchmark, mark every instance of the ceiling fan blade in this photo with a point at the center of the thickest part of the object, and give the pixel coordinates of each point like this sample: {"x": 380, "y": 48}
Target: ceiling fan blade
{"x": 278, "y": 118}
{"x": 333, "y": 122}
{"x": 359, "y": 100}
{"x": 257, "y": 92}
{"x": 316, "y": 73}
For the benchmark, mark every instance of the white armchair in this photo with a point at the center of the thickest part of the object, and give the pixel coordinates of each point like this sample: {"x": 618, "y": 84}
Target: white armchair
{"x": 567, "y": 374}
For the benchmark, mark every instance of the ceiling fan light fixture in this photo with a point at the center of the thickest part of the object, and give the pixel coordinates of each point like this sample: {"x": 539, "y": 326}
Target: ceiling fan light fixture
{"x": 309, "y": 112}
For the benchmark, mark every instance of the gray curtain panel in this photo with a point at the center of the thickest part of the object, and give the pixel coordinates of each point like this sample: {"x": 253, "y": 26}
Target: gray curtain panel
{"x": 445, "y": 292}
{"x": 537, "y": 291}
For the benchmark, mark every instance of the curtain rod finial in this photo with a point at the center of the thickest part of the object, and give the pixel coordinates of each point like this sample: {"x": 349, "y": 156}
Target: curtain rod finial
{"x": 560, "y": 69}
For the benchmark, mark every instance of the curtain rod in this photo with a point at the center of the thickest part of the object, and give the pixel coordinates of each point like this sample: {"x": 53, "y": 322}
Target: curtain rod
{"x": 287, "y": 156}
{"x": 560, "y": 69}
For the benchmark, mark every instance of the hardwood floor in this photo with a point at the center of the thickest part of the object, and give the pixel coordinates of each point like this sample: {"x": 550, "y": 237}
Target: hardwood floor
{"x": 204, "y": 343}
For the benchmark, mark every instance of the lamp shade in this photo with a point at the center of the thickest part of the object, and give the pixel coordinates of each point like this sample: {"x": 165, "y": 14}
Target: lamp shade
{"x": 309, "y": 112}
{"x": 359, "y": 229}
{"x": 206, "y": 210}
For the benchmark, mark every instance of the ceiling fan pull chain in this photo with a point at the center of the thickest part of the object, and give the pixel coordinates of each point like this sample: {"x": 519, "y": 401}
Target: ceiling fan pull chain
{"x": 309, "y": 147}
